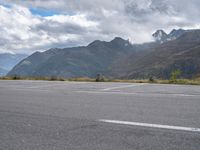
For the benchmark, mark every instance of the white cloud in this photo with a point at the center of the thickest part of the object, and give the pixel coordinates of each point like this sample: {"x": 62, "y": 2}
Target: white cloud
{"x": 80, "y": 22}
{"x": 22, "y": 32}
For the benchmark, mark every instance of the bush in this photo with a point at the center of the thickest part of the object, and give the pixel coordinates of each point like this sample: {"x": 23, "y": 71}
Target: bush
{"x": 54, "y": 78}
{"x": 151, "y": 79}
{"x": 100, "y": 78}
{"x": 174, "y": 75}
{"x": 16, "y": 77}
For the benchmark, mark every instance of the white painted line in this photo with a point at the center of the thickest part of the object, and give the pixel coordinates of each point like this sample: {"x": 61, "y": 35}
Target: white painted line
{"x": 136, "y": 93}
{"x": 106, "y": 92}
{"x": 152, "y": 125}
{"x": 125, "y": 86}
{"x": 184, "y": 95}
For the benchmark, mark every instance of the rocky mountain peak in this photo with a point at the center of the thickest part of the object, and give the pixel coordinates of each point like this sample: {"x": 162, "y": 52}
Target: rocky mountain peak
{"x": 174, "y": 34}
{"x": 118, "y": 41}
{"x": 160, "y": 35}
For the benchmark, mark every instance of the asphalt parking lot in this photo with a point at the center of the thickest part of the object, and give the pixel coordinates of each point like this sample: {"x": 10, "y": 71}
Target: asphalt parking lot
{"x": 48, "y": 115}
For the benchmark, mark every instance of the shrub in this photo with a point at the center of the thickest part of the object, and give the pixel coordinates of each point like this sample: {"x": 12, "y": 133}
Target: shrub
{"x": 174, "y": 75}
{"x": 100, "y": 78}
{"x": 151, "y": 79}
{"x": 54, "y": 78}
{"x": 16, "y": 77}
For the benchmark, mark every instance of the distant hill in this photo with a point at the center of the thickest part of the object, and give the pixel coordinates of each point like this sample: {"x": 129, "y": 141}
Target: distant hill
{"x": 74, "y": 62}
{"x": 180, "y": 49}
{"x": 8, "y": 61}
{"x": 182, "y": 53}
{"x": 3, "y": 72}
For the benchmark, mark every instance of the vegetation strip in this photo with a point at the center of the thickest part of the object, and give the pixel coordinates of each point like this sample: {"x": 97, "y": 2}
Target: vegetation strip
{"x": 85, "y": 79}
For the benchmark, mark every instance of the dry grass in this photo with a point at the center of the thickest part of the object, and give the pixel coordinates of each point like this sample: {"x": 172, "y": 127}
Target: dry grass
{"x": 33, "y": 78}
{"x": 82, "y": 79}
{"x": 178, "y": 81}
{"x": 85, "y": 79}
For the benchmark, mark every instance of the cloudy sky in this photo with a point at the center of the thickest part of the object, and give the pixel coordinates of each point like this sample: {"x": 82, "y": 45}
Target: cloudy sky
{"x": 36, "y": 25}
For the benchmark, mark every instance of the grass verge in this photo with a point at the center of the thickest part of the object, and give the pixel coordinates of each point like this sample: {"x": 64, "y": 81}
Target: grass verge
{"x": 33, "y": 78}
{"x": 85, "y": 79}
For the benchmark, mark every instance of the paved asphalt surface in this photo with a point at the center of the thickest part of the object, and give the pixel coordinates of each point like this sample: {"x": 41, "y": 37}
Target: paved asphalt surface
{"x": 41, "y": 115}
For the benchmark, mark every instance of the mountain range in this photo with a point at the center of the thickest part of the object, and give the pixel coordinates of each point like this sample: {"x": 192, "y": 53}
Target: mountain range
{"x": 161, "y": 36}
{"x": 8, "y": 61}
{"x": 118, "y": 58}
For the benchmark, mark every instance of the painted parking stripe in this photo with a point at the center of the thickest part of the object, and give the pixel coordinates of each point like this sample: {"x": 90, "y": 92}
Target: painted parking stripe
{"x": 125, "y": 86}
{"x": 136, "y": 93}
{"x": 152, "y": 125}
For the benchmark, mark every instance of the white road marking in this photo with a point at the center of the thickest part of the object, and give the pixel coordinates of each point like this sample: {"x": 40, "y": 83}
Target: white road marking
{"x": 125, "y": 86}
{"x": 43, "y": 86}
{"x": 180, "y": 95}
{"x": 152, "y": 125}
{"x": 106, "y": 92}
{"x": 138, "y": 93}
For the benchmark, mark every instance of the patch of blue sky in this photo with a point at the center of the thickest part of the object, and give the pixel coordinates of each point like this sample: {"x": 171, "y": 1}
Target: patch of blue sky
{"x": 43, "y": 12}
{"x": 5, "y": 5}
{"x": 47, "y": 12}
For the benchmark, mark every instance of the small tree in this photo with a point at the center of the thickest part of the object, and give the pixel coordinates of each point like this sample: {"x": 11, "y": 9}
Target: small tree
{"x": 99, "y": 78}
{"x": 174, "y": 75}
{"x": 151, "y": 79}
{"x": 16, "y": 77}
